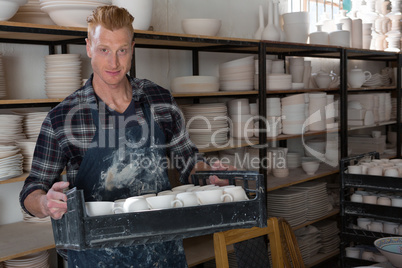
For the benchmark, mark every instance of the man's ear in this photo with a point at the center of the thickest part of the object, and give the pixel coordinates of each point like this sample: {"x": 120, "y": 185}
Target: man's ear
{"x": 88, "y": 47}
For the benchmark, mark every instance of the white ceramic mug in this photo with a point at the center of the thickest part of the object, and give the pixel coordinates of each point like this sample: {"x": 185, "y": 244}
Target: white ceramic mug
{"x": 354, "y": 170}
{"x": 99, "y": 208}
{"x": 358, "y": 198}
{"x": 384, "y": 201}
{"x": 391, "y": 228}
{"x": 363, "y": 223}
{"x": 391, "y": 172}
{"x": 237, "y": 193}
{"x": 376, "y": 226}
{"x": 376, "y": 134}
{"x": 352, "y": 252}
{"x": 376, "y": 171}
{"x": 189, "y": 199}
{"x": 370, "y": 199}
{"x": 396, "y": 201}
{"x": 132, "y": 204}
{"x": 368, "y": 255}
{"x": 212, "y": 196}
{"x": 163, "y": 202}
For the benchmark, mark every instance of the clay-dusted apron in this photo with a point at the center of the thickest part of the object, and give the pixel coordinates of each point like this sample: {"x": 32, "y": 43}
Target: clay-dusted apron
{"x": 125, "y": 164}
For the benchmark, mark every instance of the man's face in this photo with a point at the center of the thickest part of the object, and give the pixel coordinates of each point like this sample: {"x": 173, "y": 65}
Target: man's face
{"x": 110, "y": 53}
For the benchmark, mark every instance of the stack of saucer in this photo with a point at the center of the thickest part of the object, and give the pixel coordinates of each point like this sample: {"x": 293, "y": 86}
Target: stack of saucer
{"x": 207, "y": 123}
{"x": 293, "y": 160}
{"x": 33, "y": 123}
{"x": 329, "y": 235}
{"x": 317, "y": 117}
{"x": 3, "y": 92}
{"x": 279, "y": 81}
{"x": 237, "y": 74}
{"x": 10, "y": 128}
{"x": 10, "y": 162}
{"x": 39, "y": 259}
{"x": 27, "y": 149}
{"x": 293, "y": 114}
{"x": 63, "y": 74}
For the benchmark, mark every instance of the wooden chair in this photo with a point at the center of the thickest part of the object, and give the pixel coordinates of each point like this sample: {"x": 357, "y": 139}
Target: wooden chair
{"x": 284, "y": 247}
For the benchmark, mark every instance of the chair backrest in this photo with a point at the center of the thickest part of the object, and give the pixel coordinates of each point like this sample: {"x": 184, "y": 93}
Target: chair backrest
{"x": 284, "y": 247}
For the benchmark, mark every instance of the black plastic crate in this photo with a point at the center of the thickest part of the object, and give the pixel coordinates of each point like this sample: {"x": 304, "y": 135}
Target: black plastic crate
{"x": 76, "y": 230}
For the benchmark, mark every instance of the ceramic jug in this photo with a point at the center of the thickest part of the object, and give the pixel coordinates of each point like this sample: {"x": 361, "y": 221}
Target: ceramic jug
{"x": 270, "y": 32}
{"x": 356, "y": 77}
{"x": 319, "y": 37}
{"x": 258, "y": 33}
{"x": 324, "y": 79}
{"x": 339, "y": 37}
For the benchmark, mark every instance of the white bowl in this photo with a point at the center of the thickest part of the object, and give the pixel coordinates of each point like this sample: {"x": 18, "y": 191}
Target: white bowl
{"x": 72, "y": 15}
{"x": 296, "y": 17}
{"x": 310, "y": 167}
{"x": 296, "y": 33}
{"x": 390, "y": 248}
{"x": 201, "y": 26}
{"x": 8, "y": 8}
{"x": 195, "y": 84}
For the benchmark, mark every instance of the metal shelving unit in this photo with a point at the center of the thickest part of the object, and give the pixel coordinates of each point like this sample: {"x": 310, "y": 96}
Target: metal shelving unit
{"x": 350, "y": 211}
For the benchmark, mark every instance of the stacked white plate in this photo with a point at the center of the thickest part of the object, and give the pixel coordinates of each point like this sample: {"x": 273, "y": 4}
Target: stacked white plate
{"x": 35, "y": 260}
{"x": 293, "y": 160}
{"x": 31, "y": 13}
{"x": 279, "y": 81}
{"x": 195, "y": 84}
{"x": 329, "y": 235}
{"x": 317, "y": 198}
{"x": 33, "y": 123}
{"x": 10, "y": 162}
{"x": 71, "y": 13}
{"x": 11, "y": 128}
{"x": 27, "y": 149}
{"x": 316, "y": 108}
{"x": 3, "y": 92}
{"x": 289, "y": 204}
{"x": 63, "y": 74}
{"x": 294, "y": 114}
{"x": 207, "y": 124}
{"x": 309, "y": 240}
{"x": 273, "y": 107}
{"x": 375, "y": 80}
{"x": 237, "y": 75}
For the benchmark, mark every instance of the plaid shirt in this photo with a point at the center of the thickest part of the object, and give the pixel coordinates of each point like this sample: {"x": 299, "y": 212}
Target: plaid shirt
{"x": 68, "y": 130}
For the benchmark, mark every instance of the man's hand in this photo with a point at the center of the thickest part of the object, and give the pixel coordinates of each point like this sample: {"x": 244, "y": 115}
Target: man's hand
{"x": 54, "y": 202}
{"x": 217, "y": 165}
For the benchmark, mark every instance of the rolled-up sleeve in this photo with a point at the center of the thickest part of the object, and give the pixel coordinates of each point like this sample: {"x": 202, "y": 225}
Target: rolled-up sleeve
{"x": 47, "y": 164}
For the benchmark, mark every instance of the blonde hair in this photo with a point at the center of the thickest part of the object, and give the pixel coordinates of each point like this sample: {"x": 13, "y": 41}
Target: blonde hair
{"x": 112, "y": 18}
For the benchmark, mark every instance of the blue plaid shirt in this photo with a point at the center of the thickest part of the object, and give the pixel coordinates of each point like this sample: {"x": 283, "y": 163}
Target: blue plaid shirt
{"x": 68, "y": 130}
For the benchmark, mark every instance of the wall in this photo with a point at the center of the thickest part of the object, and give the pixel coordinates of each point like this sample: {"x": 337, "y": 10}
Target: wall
{"x": 25, "y": 65}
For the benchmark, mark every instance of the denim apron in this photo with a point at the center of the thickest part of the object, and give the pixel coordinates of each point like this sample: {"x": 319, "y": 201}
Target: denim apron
{"x": 124, "y": 163}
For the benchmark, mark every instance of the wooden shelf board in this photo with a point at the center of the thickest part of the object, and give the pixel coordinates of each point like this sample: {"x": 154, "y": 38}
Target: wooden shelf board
{"x": 297, "y": 176}
{"x": 386, "y": 123}
{"x": 22, "y": 238}
{"x": 233, "y": 143}
{"x": 372, "y": 88}
{"x": 29, "y": 101}
{"x": 292, "y": 91}
{"x": 320, "y": 257}
{"x": 308, "y": 133}
{"x": 330, "y": 214}
{"x": 16, "y": 179}
{"x": 212, "y": 94}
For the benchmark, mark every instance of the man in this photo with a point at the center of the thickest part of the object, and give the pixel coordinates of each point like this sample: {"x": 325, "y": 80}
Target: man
{"x": 111, "y": 136}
